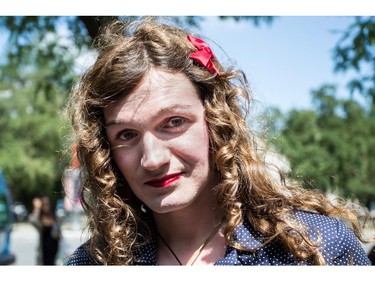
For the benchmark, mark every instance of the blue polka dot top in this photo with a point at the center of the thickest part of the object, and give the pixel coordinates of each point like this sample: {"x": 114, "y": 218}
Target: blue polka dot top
{"x": 339, "y": 246}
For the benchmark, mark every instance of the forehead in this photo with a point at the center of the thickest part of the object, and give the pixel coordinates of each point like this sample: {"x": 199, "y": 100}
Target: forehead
{"x": 157, "y": 90}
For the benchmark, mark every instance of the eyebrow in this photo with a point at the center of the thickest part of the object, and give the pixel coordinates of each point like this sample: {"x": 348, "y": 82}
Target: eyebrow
{"x": 161, "y": 112}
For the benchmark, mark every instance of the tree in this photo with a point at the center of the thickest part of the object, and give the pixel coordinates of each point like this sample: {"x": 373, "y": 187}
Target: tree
{"x": 331, "y": 147}
{"x": 36, "y": 77}
{"x": 355, "y": 51}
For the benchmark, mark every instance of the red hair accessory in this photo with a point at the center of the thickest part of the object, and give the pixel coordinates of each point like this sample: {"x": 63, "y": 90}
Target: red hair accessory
{"x": 204, "y": 55}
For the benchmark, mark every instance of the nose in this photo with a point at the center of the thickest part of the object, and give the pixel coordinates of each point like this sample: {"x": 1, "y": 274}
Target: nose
{"x": 155, "y": 152}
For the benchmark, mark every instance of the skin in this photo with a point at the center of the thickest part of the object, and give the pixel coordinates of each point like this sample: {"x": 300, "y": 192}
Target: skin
{"x": 159, "y": 140}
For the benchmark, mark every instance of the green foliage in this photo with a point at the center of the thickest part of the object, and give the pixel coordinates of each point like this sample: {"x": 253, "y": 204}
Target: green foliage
{"x": 355, "y": 51}
{"x": 332, "y": 146}
{"x": 256, "y": 20}
{"x": 36, "y": 76}
{"x": 31, "y": 143}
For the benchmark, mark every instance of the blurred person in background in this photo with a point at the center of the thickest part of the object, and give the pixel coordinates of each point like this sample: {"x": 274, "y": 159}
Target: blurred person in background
{"x": 44, "y": 219}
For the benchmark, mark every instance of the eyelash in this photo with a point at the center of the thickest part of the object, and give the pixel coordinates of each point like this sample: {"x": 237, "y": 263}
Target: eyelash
{"x": 170, "y": 120}
{"x": 121, "y": 134}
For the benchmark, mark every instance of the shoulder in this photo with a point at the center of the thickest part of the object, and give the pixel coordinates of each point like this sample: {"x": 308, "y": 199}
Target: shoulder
{"x": 328, "y": 228}
{"x": 318, "y": 222}
{"x": 81, "y": 256}
{"x": 338, "y": 242}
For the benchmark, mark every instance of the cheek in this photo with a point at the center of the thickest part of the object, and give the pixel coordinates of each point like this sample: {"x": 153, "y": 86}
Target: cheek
{"x": 196, "y": 144}
{"x": 203, "y": 140}
{"x": 126, "y": 162}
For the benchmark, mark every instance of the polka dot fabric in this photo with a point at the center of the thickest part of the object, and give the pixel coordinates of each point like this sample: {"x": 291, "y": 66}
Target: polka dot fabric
{"x": 339, "y": 247}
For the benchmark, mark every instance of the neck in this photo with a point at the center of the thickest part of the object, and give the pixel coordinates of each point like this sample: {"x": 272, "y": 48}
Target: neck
{"x": 189, "y": 223}
{"x": 184, "y": 228}
{"x": 185, "y": 231}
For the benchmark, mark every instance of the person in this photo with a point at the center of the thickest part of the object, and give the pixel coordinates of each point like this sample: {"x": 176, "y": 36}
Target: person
{"x": 171, "y": 173}
{"x": 49, "y": 229}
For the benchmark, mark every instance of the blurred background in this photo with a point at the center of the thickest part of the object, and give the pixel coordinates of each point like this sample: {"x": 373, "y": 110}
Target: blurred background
{"x": 313, "y": 81}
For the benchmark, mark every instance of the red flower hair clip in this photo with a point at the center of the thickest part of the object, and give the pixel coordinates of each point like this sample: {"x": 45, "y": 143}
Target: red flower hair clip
{"x": 204, "y": 55}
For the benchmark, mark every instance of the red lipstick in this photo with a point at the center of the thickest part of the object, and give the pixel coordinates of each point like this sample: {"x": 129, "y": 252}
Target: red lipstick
{"x": 164, "y": 181}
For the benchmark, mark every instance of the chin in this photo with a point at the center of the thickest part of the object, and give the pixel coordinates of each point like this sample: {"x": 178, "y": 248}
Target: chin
{"x": 168, "y": 208}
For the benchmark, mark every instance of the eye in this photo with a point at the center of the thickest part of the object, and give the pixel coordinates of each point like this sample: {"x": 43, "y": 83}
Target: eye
{"x": 126, "y": 135}
{"x": 175, "y": 122}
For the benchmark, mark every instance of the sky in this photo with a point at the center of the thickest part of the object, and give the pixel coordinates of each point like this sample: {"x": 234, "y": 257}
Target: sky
{"x": 285, "y": 60}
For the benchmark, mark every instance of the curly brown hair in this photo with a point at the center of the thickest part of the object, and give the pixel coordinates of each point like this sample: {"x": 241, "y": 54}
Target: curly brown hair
{"x": 247, "y": 190}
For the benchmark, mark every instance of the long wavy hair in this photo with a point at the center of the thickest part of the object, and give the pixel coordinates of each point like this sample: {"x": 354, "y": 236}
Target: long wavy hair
{"x": 247, "y": 189}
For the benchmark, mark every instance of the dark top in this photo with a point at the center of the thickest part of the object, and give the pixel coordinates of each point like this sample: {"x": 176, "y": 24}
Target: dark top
{"x": 339, "y": 246}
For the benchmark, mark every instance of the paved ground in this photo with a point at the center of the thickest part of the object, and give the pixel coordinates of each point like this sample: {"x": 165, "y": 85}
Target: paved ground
{"x": 24, "y": 241}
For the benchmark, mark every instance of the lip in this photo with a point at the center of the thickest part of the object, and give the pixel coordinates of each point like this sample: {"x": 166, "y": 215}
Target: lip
{"x": 164, "y": 181}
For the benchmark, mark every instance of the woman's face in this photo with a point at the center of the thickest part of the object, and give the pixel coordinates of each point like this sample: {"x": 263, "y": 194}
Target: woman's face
{"x": 159, "y": 140}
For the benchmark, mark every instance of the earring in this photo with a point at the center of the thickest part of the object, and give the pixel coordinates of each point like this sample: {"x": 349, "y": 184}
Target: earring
{"x": 143, "y": 209}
